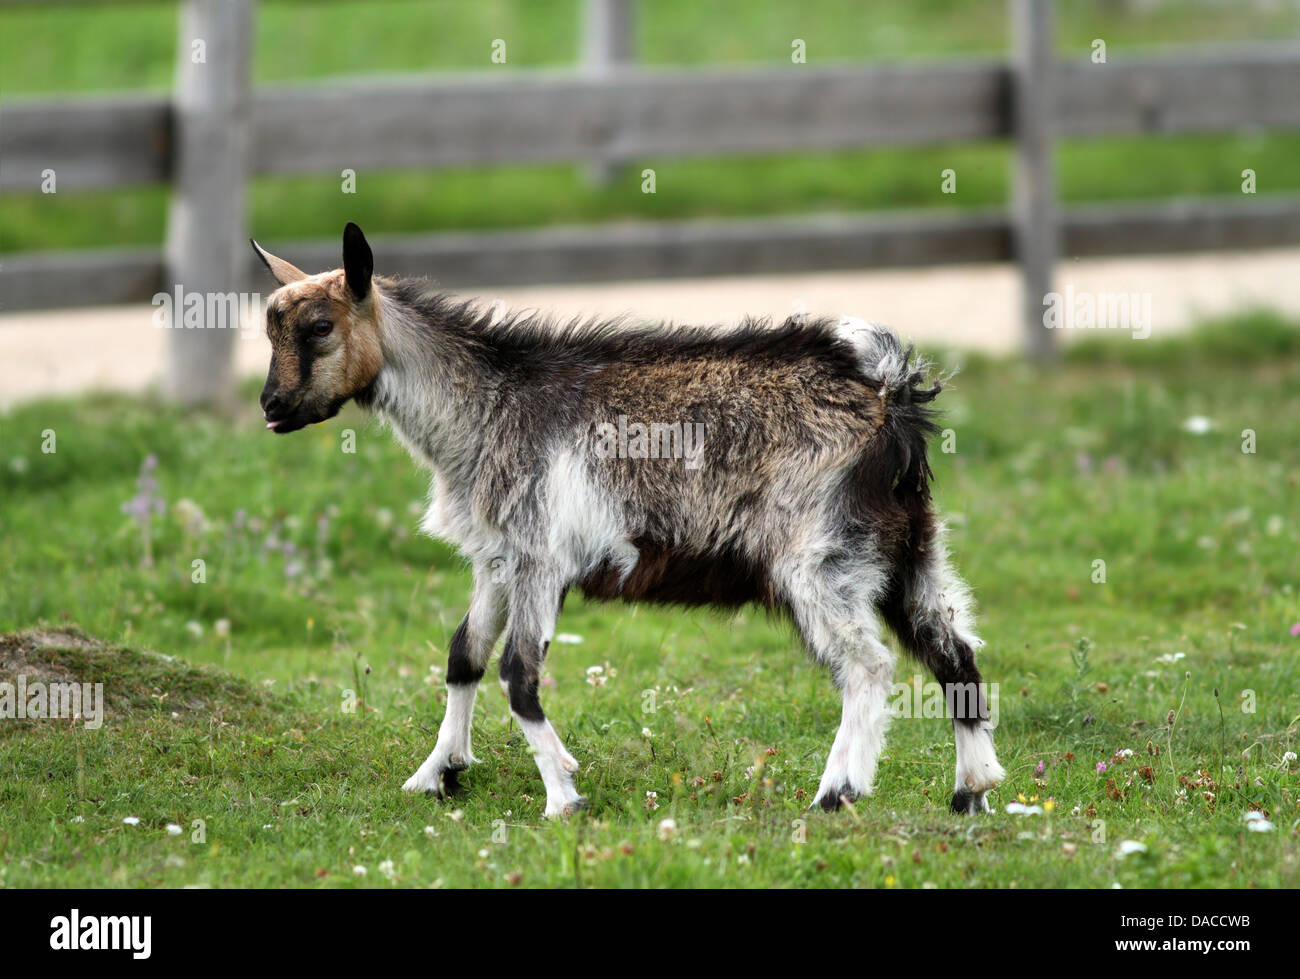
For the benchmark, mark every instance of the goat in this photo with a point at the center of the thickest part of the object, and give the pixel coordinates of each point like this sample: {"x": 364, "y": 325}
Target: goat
{"x": 805, "y": 487}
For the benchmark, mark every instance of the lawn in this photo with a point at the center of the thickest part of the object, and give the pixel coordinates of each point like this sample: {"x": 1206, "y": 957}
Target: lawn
{"x": 269, "y": 701}
{"x": 58, "y": 49}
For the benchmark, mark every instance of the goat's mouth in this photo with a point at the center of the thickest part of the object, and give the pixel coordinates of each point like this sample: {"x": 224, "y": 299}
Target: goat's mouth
{"x": 287, "y": 424}
{"x": 301, "y": 417}
{"x": 292, "y": 420}
{"x": 282, "y": 427}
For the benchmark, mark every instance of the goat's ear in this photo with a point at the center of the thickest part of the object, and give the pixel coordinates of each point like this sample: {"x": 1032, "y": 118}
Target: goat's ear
{"x": 358, "y": 261}
{"x": 284, "y": 272}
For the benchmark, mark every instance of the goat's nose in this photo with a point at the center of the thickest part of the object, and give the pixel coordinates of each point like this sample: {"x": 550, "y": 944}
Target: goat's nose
{"x": 270, "y": 400}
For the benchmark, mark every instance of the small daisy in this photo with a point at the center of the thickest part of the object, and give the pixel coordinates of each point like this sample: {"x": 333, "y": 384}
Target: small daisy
{"x": 1256, "y": 822}
{"x": 1020, "y": 809}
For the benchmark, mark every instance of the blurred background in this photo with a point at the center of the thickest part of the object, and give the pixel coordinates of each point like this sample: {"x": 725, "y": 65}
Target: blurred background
{"x": 936, "y": 166}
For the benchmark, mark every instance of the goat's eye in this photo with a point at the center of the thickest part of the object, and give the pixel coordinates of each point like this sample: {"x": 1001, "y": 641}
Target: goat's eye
{"x": 322, "y": 328}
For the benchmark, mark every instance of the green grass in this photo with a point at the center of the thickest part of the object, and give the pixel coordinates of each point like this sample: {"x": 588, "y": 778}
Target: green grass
{"x": 317, "y": 586}
{"x": 285, "y": 209}
{"x": 55, "y": 47}
{"x": 82, "y": 48}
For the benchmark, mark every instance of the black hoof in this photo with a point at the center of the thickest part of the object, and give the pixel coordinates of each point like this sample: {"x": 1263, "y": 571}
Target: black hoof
{"x": 448, "y": 783}
{"x": 835, "y": 800}
{"x": 967, "y": 803}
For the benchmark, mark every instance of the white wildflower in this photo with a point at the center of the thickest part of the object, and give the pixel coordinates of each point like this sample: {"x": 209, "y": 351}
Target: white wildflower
{"x": 1257, "y": 822}
{"x": 1020, "y": 809}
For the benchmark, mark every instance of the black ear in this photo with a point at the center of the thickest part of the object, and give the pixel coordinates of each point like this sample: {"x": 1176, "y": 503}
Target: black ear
{"x": 358, "y": 262}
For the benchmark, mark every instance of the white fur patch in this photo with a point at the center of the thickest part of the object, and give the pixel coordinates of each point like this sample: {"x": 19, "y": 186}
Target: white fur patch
{"x": 556, "y": 766}
{"x": 977, "y": 764}
{"x": 864, "y": 720}
{"x": 585, "y": 524}
{"x": 452, "y": 749}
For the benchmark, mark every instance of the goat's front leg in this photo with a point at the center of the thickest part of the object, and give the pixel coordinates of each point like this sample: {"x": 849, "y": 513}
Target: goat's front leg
{"x": 471, "y": 646}
{"x": 534, "y": 606}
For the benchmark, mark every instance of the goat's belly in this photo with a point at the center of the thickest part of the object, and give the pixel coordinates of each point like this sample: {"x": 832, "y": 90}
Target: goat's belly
{"x": 666, "y": 574}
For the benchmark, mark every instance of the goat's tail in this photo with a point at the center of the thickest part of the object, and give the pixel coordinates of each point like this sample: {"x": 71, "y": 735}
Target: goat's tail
{"x": 898, "y": 450}
{"x": 888, "y": 363}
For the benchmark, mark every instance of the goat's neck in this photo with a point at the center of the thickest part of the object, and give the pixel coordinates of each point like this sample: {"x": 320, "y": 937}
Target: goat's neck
{"x": 432, "y": 389}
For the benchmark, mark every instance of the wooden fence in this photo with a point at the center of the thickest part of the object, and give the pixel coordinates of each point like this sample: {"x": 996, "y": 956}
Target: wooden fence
{"x": 216, "y": 130}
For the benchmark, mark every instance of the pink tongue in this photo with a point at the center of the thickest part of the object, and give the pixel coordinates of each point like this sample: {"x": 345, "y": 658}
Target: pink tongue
{"x": 272, "y": 424}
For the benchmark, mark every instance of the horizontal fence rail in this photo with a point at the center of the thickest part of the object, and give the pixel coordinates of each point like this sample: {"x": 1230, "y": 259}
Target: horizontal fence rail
{"x": 675, "y": 249}
{"x": 544, "y": 117}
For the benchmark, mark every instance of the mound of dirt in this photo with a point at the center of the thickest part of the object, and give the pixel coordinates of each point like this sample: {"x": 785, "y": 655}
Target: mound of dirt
{"x": 135, "y": 682}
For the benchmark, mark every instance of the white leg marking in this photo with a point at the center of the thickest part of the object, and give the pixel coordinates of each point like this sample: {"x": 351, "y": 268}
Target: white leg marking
{"x": 452, "y": 749}
{"x": 556, "y": 765}
{"x": 451, "y": 752}
{"x": 977, "y": 764}
{"x": 851, "y": 766}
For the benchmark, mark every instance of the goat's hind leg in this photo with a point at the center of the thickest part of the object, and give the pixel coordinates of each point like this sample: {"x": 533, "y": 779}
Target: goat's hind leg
{"x": 930, "y": 613}
{"x": 467, "y": 658}
{"x": 838, "y": 626}
{"x": 864, "y": 679}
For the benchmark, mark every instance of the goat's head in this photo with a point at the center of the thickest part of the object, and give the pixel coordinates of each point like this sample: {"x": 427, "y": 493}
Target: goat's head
{"x": 324, "y": 332}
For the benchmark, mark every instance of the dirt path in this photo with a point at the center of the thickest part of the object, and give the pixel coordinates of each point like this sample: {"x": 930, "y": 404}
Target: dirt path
{"x": 969, "y": 307}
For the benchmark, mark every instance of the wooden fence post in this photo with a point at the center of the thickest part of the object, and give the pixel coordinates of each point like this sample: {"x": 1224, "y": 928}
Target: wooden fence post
{"x": 607, "y": 41}
{"x": 1036, "y": 216}
{"x": 206, "y": 251}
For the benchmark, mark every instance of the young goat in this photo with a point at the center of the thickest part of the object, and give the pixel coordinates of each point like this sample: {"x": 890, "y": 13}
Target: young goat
{"x": 796, "y": 476}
